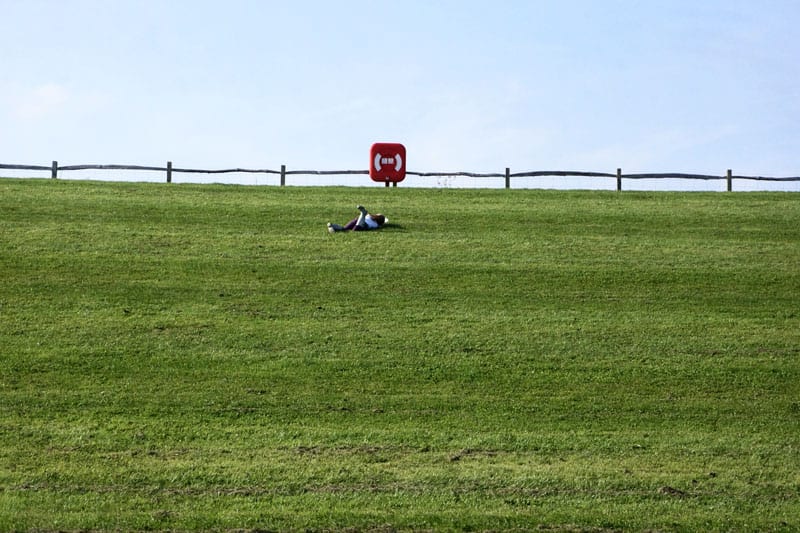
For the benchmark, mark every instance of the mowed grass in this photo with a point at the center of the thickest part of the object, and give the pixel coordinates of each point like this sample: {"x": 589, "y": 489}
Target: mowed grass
{"x": 187, "y": 357}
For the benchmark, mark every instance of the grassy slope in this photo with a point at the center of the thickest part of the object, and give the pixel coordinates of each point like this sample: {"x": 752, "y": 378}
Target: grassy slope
{"x": 184, "y": 357}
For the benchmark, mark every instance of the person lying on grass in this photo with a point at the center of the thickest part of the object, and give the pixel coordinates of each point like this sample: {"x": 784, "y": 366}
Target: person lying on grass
{"x": 364, "y": 221}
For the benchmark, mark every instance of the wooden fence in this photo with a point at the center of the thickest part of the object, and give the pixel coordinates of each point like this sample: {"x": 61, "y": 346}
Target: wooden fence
{"x": 54, "y": 169}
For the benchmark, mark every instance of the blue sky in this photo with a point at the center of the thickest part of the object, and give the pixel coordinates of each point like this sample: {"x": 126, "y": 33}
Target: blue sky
{"x": 649, "y": 86}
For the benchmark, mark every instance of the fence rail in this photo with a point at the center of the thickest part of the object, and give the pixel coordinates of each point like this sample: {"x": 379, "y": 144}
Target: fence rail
{"x": 54, "y": 169}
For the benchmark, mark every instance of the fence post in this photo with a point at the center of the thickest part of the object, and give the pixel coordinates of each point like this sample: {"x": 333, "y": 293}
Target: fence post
{"x": 619, "y": 179}
{"x": 730, "y": 180}
{"x": 508, "y": 178}
{"x": 169, "y": 171}
{"x": 54, "y": 170}
{"x": 283, "y": 175}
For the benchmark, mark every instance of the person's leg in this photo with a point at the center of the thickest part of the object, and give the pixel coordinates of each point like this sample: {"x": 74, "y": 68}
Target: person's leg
{"x": 357, "y": 224}
{"x": 333, "y": 228}
{"x": 360, "y": 223}
{"x": 351, "y": 225}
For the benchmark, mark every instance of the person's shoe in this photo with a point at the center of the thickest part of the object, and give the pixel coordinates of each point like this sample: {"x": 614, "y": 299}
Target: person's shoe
{"x": 331, "y": 229}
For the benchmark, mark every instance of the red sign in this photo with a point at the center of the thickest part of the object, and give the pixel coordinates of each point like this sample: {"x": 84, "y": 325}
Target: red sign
{"x": 387, "y": 162}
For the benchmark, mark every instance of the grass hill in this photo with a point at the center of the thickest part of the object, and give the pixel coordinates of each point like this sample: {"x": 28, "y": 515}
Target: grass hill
{"x": 181, "y": 357}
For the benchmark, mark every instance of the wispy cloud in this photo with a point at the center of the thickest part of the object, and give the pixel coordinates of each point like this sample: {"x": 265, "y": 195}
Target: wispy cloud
{"x": 41, "y": 101}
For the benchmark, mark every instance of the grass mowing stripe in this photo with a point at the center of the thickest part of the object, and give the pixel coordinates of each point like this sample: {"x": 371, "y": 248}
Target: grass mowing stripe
{"x": 208, "y": 357}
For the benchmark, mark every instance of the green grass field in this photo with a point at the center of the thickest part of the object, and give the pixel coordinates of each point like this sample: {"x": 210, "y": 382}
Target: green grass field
{"x": 202, "y": 357}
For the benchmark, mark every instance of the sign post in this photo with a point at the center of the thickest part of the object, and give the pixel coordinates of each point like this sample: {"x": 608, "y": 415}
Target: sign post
{"x": 387, "y": 163}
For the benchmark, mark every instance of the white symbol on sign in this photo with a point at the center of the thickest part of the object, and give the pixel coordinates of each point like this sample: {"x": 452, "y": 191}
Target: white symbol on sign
{"x": 397, "y": 161}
